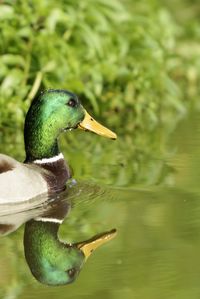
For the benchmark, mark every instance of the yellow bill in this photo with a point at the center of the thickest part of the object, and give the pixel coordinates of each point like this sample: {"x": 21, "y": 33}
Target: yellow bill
{"x": 87, "y": 247}
{"x": 89, "y": 124}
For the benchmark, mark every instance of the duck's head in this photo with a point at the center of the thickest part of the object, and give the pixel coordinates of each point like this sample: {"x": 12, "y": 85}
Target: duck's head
{"x": 53, "y": 262}
{"x": 51, "y": 113}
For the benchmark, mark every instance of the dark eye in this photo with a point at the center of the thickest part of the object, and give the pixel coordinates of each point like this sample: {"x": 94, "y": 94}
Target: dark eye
{"x": 72, "y": 102}
{"x": 71, "y": 272}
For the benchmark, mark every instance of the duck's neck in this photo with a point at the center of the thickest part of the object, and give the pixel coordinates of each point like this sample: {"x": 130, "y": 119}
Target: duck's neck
{"x": 41, "y": 152}
{"x": 40, "y": 138}
{"x": 40, "y": 244}
{"x": 41, "y": 233}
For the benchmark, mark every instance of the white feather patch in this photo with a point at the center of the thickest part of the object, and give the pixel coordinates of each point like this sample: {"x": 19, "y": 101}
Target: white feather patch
{"x": 49, "y": 160}
{"x": 45, "y": 219}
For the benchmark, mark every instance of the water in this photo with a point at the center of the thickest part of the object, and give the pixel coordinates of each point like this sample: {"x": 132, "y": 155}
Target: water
{"x": 156, "y": 253}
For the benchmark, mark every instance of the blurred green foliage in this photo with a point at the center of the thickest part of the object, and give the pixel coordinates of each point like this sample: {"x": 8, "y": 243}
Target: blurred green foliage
{"x": 136, "y": 64}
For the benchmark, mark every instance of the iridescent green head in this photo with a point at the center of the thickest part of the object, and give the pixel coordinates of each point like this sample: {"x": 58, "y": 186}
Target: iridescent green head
{"x": 51, "y": 113}
{"x": 51, "y": 261}
{"x": 57, "y": 264}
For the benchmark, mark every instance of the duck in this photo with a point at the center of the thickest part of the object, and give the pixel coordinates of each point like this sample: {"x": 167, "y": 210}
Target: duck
{"x": 51, "y": 261}
{"x": 45, "y": 170}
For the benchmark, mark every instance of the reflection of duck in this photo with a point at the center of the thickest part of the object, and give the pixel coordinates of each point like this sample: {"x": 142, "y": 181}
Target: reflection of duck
{"x": 45, "y": 169}
{"x": 13, "y": 215}
{"x": 51, "y": 261}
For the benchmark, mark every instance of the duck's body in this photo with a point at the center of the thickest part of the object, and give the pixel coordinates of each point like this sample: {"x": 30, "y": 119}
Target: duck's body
{"x": 23, "y": 181}
{"x": 19, "y": 182}
{"x": 44, "y": 170}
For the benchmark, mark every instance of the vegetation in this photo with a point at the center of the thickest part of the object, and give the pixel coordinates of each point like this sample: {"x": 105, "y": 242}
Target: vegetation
{"x": 134, "y": 63}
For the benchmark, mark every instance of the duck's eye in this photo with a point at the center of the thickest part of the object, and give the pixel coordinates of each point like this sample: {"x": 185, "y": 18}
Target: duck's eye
{"x": 71, "y": 272}
{"x": 72, "y": 102}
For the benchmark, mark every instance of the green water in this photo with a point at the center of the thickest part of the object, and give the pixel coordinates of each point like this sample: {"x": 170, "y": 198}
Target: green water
{"x": 156, "y": 253}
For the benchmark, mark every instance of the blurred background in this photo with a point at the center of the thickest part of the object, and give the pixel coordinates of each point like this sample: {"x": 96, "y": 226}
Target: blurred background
{"x": 135, "y": 65}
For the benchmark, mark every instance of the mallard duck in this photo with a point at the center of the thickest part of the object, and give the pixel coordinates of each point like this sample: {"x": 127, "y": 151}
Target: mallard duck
{"x": 51, "y": 261}
{"x": 45, "y": 169}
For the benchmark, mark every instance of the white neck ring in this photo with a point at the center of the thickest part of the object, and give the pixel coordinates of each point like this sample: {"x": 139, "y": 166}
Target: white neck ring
{"x": 49, "y": 160}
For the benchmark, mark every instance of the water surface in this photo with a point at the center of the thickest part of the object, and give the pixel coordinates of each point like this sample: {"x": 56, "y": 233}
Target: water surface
{"x": 156, "y": 253}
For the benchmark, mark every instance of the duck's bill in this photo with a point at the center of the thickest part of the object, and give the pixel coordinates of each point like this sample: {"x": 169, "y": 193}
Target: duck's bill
{"x": 89, "y": 124}
{"x": 87, "y": 247}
